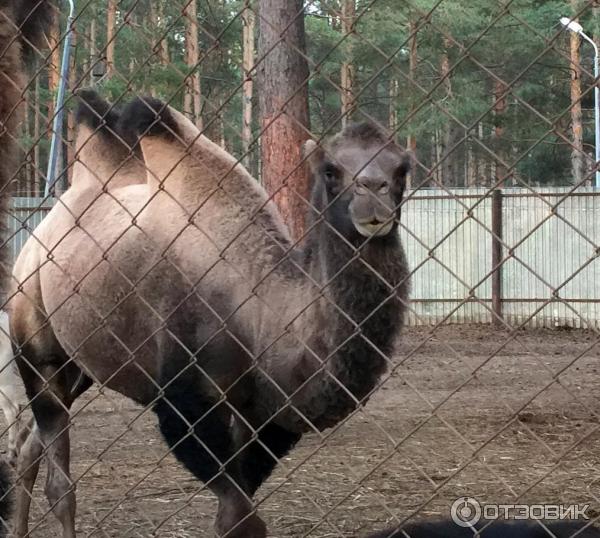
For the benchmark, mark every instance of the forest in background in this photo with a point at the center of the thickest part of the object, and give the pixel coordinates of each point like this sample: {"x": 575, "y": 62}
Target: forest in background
{"x": 459, "y": 82}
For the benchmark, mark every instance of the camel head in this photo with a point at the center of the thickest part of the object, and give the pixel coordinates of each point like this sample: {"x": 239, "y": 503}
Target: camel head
{"x": 359, "y": 176}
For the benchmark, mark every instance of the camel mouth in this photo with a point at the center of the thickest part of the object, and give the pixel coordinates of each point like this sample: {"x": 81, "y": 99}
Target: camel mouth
{"x": 374, "y": 228}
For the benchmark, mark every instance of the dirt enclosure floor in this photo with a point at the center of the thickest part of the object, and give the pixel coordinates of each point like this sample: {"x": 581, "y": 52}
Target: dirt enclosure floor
{"x": 467, "y": 411}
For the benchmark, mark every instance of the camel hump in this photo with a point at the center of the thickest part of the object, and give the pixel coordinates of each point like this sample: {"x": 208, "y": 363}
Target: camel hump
{"x": 32, "y": 18}
{"x": 147, "y": 116}
{"x": 95, "y": 112}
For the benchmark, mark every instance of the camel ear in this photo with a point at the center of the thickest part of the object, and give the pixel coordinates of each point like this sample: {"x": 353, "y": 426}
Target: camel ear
{"x": 313, "y": 154}
{"x": 406, "y": 164}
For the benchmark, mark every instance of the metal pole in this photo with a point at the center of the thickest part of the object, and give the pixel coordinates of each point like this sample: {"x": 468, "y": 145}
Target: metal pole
{"x": 497, "y": 314}
{"x": 60, "y": 99}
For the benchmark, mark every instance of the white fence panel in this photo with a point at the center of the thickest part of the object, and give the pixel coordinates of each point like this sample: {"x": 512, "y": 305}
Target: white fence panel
{"x": 550, "y": 245}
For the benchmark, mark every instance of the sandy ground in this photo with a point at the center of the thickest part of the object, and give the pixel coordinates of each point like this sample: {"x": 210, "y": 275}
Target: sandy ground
{"x": 466, "y": 411}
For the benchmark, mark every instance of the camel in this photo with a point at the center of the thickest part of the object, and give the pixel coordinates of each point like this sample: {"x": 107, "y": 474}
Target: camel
{"x": 21, "y": 31}
{"x": 12, "y": 397}
{"x": 186, "y": 294}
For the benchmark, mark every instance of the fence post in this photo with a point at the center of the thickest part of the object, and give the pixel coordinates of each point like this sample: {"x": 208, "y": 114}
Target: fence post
{"x": 497, "y": 316}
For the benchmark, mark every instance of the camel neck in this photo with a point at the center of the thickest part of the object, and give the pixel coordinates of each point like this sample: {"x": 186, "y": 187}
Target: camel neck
{"x": 353, "y": 331}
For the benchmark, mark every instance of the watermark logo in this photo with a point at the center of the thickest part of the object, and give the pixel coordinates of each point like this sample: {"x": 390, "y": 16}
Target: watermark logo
{"x": 467, "y": 511}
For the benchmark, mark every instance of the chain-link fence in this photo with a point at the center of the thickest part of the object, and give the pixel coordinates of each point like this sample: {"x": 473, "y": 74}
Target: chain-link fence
{"x": 318, "y": 267}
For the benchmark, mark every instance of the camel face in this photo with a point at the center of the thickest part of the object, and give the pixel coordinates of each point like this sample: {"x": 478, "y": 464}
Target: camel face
{"x": 364, "y": 175}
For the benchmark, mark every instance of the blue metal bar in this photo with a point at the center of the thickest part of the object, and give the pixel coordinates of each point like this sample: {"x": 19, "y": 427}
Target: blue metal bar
{"x": 60, "y": 100}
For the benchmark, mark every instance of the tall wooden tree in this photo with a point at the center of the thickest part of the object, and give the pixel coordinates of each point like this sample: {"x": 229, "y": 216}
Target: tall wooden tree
{"x": 192, "y": 97}
{"x": 53, "y": 68}
{"x": 451, "y": 132}
{"x": 347, "y": 74}
{"x": 111, "y": 20}
{"x": 577, "y": 154}
{"x": 283, "y": 101}
{"x": 499, "y": 100}
{"x": 158, "y": 23}
{"x": 413, "y": 59}
{"x": 248, "y": 24}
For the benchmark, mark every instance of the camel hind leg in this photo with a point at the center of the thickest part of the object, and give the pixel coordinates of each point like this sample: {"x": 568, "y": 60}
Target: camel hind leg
{"x": 197, "y": 430}
{"x": 48, "y": 376}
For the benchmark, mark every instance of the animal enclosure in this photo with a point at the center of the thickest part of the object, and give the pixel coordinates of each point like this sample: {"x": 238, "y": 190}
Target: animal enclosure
{"x": 298, "y": 268}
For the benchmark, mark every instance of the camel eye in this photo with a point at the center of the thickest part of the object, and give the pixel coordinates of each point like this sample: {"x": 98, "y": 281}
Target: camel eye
{"x": 361, "y": 189}
{"x": 330, "y": 174}
{"x": 384, "y": 189}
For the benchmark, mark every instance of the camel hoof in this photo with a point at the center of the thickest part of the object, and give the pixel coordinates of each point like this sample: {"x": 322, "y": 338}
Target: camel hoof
{"x": 12, "y": 458}
{"x": 248, "y": 526}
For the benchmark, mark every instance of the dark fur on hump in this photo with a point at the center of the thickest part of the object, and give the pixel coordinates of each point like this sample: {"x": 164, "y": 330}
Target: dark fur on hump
{"x": 498, "y": 529}
{"x": 5, "y": 498}
{"x": 147, "y": 116}
{"x": 103, "y": 118}
{"x": 94, "y": 112}
{"x": 21, "y": 28}
{"x": 33, "y": 18}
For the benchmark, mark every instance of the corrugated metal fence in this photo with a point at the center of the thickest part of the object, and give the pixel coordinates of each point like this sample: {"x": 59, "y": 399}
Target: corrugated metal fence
{"x": 549, "y": 275}
{"x": 27, "y": 213}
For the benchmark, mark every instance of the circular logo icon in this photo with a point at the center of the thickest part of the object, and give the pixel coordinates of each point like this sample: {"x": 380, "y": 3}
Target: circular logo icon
{"x": 465, "y": 511}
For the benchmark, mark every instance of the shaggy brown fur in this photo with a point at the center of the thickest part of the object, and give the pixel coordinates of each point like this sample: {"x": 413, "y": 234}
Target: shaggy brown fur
{"x": 183, "y": 294}
{"x": 21, "y": 28}
{"x": 6, "y": 498}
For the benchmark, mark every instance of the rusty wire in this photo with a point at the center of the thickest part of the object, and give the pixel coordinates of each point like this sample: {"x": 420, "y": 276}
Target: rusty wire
{"x": 511, "y": 333}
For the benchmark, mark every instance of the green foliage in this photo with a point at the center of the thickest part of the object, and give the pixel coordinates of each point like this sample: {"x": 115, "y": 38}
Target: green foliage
{"x": 480, "y": 40}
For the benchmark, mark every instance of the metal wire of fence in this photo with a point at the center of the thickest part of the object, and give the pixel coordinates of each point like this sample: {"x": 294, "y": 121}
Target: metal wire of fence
{"x": 162, "y": 289}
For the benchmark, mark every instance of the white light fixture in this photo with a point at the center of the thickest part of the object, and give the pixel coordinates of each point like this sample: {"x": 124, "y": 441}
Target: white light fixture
{"x": 574, "y": 26}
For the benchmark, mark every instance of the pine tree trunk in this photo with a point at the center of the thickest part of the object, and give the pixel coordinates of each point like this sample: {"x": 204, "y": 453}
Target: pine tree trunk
{"x": 165, "y": 58}
{"x": 449, "y": 154}
{"x": 577, "y": 154}
{"x": 53, "y": 82}
{"x": 347, "y": 71}
{"x": 413, "y": 58}
{"x": 248, "y": 22}
{"x": 283, "y": 102}
{"x": 111, "y": 20}
{"x": 191, "y": 102}
{"x": 92, "y": 56}
{"x": 393, "y": 107}
{"x": 157, "y": 23}
{"x": 37, "y": 185}
{"x": 28, "y": 169}
{"x": 53, "y": 69}
{"x": 70, "y": 141}
{"x": 500, "y": 105}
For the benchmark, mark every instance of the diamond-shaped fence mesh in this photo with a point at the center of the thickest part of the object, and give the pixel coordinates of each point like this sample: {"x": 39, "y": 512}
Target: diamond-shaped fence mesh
{"x": 300, "y": 268}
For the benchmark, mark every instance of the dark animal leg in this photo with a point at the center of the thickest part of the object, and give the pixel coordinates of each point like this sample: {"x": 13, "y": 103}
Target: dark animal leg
{"x": 5, "y": 499}
{"x": 49, "y": 388}
{"x": 30, "y": 450}
{"x": 256, "y": 462}
{"x": 200, "y": 438}
{"x": 27, "y": 470}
